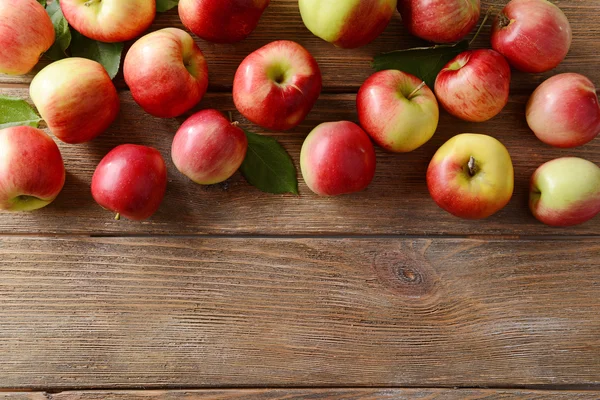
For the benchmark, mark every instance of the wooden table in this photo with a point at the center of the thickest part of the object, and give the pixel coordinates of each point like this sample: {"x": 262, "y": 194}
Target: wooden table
{"x": 228, "y": 291}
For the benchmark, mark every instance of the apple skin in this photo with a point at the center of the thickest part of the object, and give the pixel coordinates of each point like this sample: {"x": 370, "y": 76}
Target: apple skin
{"x": 208, "y": 148}
{"x": 222, "y": 21}
{"x": 440, "y": 21}
{"x": 32, "y": 172}
{"x": 392, "y": 119}
{"x": 131, "y": 180}
{"x": 475, "y": 85}
{"x": 23, "y": 47}
{"x": 337, "y": 158}
{"x": 76, "y": 98}
{"x": 347, "y": 23}
{"x": 565, "y": 192}
{"x": 564, "y": 111}
{"x": 277, "y": 85}
{"x": 109, "y": 21}
{"x": 534, "y": 35}
{"x": 477, "y": 196}
{"x": 166, "y": 72}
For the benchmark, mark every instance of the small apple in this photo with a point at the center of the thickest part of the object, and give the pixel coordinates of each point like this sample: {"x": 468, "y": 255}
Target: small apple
{"x": 471, "y": 176}
{"x": 32, "y": 172}
{"x": 221, "y": 21}
{"x": 564, "y": 111}
{"x": 26, "y": 32}
{"x": 534, "y": 35}
{"x": 131, "y": 181}
{"x": 397, "y": 110}
{"x": 76, "y": 98}
{"x": 277, "y": 85}
{"x": 565, "y": 192}
{"x": 166, "y": 72}
{"x": 109, "y": 21}
{"x": 440, "y": 21}
{"x": 337, "y": 158}
{"x": 208, "y": 148}
{"x": 347, "y": 23}
{"x": 475, "y": 85}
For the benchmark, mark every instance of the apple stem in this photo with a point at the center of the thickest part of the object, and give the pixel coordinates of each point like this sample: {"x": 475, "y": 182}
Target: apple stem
{"x": 471, "y": 166}
{"x": 414, "y": 92}
{"x": 117, "y": 217}
{"x": 487, "y": 15}
{"x": 90, "y": 2}
{"x": 235, "y": 123}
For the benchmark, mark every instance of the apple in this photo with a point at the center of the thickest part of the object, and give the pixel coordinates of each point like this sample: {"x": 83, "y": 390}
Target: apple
{"x": 208, "y": 148}
{"x": 23, "y": 47}
{"x": 471, "y": 176}
{"x": 76, "y": 98}
{"x": 534, "y": 35}
{"x": 564, "y": 111}
{"x": 475, "y": 85}
{"x": 166, "y": 72}
{"x": 131, "y": 181}
{"x": 32, "y": 172}
{"x": 109, "y": 21}
{"x": 222, "y": 21}
{"x": 565, "y": 192}
{"x": 397, "y": 110}
{"x": 440, "y": 21}
{"x": 277, "y": 85}
{"x": 337, "y": 158}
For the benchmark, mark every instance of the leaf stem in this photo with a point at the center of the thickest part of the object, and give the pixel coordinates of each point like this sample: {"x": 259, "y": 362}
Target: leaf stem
{"x": 487, "y": 16}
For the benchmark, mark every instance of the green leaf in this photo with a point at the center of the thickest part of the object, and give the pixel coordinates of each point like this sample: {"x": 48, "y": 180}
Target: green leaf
{"x": 17, "y": 112}
{"x": 423, "y": 62}
{"x": 165, "y": 5}
{"x": 107, "y": 54}
{"x": 42, "y": 2}
{"x": 62, "y": 32}
{"x": 268, "y": 166}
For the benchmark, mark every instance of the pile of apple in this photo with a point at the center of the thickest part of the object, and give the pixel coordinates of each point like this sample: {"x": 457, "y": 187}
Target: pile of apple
{"x": 275, "y": 87}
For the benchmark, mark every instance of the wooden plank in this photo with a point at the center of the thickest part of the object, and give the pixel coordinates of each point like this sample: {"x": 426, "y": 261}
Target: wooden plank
{"x": 24, "y": 396}
{"x": 155, "y": 313}
{"x": 345, "y": 70}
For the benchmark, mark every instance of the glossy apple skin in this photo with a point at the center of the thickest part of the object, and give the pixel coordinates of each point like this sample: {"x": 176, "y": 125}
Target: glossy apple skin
{"x": 565, "y": 192}
{"x": 131, "y": 180}
{"x": 534, "y": 35}
{"x": 32, "y": 172}
{"x": 347, "y": 23}
{"x": 109, "y": 21}
{"x": 395, "y": 121}
{"x": 471, "y": 197}
{"x": 337, "y": 158}
{"x": 475, "y": 85}
{"x": 222, "y": 21}
{"x": 564, "y": 111}
{"x": 208, "y": 148}
{"x": 277, "y": 85}
{"x": 440, "y": 21}
{"x": 166, "y": 73}
{"x": 23, "y": 47}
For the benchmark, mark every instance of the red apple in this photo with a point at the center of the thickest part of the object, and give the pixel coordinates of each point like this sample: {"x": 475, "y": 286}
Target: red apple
{"x": 131, "y": 181}
{"x": 222, "y": 21}
{"x": 440, "y": 21}
{"x": 208, "y": 148}
{"x": 564, "y": 111}
{"x": 534, "y": 35}
{"x": 337, "y": 158}
{"x": 76, "y": 98}
{"x": 32, "y": 172}
{"x": 475, "y": 85}
{"x": 26, "y": 32}
{"x": 166, "y": 73}
{"x": 277, "y": 85}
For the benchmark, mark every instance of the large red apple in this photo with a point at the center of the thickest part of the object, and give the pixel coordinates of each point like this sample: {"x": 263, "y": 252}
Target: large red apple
{"x": 32, "y": 172}
{"x": 208, "y": 148}
{"x": 166, "y": 72}
{"x": 475, "y": 85}
{"x": 564, "y": 111}
{"x": 534, "y": 35}
{"x": 131, "y": 181}
{"x": 222, "y": 21}
{"x": 277, "y": 85}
